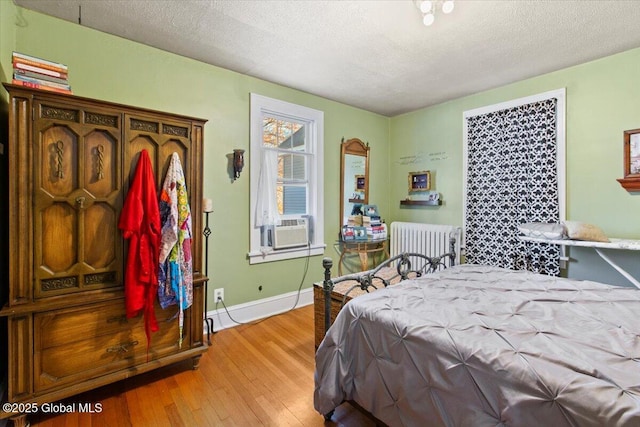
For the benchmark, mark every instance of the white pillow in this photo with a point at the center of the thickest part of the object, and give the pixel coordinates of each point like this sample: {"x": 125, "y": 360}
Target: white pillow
{"x": 584, "y": 231}
{"x": 542, "y": 230}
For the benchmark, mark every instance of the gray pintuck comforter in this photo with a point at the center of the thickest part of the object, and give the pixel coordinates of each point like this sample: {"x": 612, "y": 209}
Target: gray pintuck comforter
{"x": 483, "y": 346}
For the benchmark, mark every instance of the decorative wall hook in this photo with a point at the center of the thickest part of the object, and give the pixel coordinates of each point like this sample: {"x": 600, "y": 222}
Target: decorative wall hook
{"x": 238, "y": 162}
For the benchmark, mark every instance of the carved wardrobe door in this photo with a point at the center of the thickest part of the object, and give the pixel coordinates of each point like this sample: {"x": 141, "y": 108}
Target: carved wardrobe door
{"x": 77, "y": 199}
{"x": 161, "y": 136}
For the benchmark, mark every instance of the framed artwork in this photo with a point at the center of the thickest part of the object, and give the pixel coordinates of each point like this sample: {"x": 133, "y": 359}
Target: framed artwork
{"x": 370, "y": 210}
{"x": 419, "y": 181}
{"x": 360, "y": 183}
{"x": 632, "y": 151}
{"x": 631, "y": 154}
{"x": 348, "y": 233}
{"x": 360, "y": 233}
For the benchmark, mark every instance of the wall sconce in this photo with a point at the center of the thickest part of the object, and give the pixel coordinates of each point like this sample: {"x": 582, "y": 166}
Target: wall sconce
{"x": 238, "y": 162}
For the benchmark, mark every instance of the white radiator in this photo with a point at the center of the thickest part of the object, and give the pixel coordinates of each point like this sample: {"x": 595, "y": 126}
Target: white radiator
{"x": 428, "y": 239}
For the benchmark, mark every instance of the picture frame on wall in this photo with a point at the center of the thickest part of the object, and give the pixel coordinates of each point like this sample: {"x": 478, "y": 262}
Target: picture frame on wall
{"x": 632, "y": 152}
{"x": 631, "y": 156}
{"x": 419, "y": 181}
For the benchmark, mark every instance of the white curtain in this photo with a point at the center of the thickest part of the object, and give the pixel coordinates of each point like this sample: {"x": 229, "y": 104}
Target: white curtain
{"x": 266, "y": 204}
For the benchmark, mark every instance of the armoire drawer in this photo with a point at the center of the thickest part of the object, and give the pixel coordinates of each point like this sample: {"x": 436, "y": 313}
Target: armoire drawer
{"x": 75, "y": 344}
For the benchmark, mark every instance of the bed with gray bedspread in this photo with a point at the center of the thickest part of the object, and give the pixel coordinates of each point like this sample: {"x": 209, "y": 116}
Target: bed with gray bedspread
{"x": 483, "y": 346}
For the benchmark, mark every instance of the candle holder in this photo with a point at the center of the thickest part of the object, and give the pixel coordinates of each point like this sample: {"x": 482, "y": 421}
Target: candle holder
{"x": 207, "y": 232}
{"x": 238, "y": 162}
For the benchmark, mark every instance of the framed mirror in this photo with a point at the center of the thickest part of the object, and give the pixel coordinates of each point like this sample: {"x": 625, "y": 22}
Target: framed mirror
{"x": 354, "y": 177}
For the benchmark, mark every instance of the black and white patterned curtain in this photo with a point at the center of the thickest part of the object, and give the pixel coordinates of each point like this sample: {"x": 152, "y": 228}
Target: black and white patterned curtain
{"x": 512, "y": 179}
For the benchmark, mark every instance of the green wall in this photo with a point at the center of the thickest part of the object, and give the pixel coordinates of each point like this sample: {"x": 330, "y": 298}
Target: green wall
{"x": 601, "y": 102}
{"x": 106, "y": 67}
{"x": 7, "y": 42}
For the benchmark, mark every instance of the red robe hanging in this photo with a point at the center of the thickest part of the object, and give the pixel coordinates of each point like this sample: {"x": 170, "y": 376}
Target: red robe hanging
{"x": 140, "y": 223}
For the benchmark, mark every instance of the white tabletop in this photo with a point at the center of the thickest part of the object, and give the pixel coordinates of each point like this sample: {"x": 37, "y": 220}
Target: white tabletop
{"x": 626, "y": 244}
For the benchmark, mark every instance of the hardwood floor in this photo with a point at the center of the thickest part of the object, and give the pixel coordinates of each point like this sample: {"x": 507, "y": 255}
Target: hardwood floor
{"x": 252, "y": 375}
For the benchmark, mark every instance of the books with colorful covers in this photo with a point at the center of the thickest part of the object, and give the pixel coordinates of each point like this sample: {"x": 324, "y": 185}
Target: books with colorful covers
{"x": 38, "y": 73}
{"x": 378, "y": 232}
{"x": 21, "y": 58}
{"x": 354, "y": 220}
{"x": 368, "y": 221}
{"x": 41, "y": 82}
{"x": 31, "y": 74}
{"x": 39, "y": 70}
{"x": 40, "y": 86}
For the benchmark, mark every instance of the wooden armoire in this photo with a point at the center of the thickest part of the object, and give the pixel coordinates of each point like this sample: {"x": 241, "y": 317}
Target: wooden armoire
{"x": 70, "y": 161}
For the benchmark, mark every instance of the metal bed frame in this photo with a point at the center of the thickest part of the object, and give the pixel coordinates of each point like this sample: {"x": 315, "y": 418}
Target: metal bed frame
{"x": 370, "y": 278}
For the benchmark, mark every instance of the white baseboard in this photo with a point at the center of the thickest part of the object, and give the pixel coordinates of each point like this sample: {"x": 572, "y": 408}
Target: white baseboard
{"x": 256, "y": 310}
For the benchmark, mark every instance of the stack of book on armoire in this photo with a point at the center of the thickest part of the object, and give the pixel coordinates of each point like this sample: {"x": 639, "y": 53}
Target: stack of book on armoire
{"x": 37, "y": 73}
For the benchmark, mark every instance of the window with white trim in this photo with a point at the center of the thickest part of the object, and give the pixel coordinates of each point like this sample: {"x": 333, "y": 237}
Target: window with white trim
{"x": 286, "y": 168}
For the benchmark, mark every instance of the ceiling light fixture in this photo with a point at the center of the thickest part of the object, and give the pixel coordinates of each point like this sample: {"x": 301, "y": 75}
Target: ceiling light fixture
{"x": 428, "y": 9}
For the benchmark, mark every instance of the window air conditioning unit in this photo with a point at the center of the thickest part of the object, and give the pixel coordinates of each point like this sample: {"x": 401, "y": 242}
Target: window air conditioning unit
{"x": 291, "y": 233}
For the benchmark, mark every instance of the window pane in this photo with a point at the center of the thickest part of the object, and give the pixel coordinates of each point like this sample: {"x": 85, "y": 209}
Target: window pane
{"x": 292, "y": 199}
{"x": 270, "y": 132}
{"x": 293, "y": 137}
{"x": 292, "y": 167}
{"x": 283, "y": 134}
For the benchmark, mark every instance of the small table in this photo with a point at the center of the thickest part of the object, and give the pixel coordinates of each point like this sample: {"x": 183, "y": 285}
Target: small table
{"x": 621, "y": 244}
{"x": 363, "y": 248}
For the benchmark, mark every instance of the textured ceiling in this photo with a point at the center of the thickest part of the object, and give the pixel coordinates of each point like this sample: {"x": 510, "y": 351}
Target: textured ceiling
{"x": 374, "y": 55}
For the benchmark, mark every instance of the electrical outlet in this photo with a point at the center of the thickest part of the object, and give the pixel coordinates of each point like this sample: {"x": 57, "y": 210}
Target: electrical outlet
{"x": 218, "y": 294}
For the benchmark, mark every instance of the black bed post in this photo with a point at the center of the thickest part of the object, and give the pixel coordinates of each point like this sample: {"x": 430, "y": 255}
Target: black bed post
{"x": 327, "y": 287}
{"x": 452, "y": 250}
